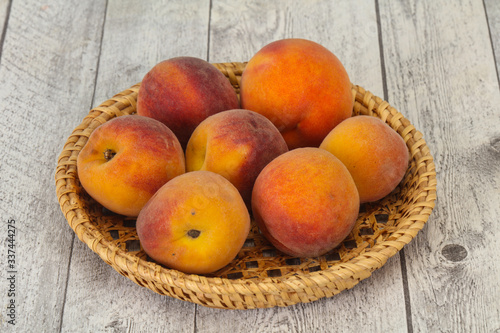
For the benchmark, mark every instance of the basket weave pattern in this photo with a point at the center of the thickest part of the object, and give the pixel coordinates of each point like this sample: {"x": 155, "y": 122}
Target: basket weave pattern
{"x": 260, "y": 276}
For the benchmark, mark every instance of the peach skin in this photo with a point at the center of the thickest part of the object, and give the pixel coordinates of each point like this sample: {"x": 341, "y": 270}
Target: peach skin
{"x": 299, "y": 85}
{"x": 181, "y": 92}
{"x": 374, "y": 153}
{"x": 126, "y": 160}
{"x": 305, "y": 202}
{"x": 196, "y": 223}
{"x": 236, "y": 144}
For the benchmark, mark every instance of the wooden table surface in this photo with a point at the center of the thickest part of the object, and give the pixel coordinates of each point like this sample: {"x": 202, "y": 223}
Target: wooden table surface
{"x": 435, "y": 61}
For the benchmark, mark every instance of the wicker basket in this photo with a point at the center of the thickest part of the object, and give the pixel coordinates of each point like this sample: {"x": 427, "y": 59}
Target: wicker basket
{"x": 260, "y": 276}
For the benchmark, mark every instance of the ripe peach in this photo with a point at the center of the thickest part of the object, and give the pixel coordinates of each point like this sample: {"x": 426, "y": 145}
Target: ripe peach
{"x": 196, "y": 223}
{"x": 126, "y": 160}
{"x": 301, "y": 87}
{"x": 305, "y": 202}
{"x": 375, "y": 155}
{"x": 183, "y": 91}
{"x": 236, "y": 144}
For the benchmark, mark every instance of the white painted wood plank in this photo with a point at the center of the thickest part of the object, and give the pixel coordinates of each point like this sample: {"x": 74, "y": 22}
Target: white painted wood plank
{"x": 4, "y": 7}
{"x": 441, "y": 73}
{"x": 374, "y": 305}
{"x": 99, "y": 299}
{"x": 139, "y": 34}
{"x": 349, "y": 29}
{"x": 492, "y": 8}
{"x": 47, "y": 74}
{"x": 136, "y": 36}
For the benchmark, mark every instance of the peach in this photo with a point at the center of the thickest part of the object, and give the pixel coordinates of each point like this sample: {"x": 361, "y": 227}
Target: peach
{"x": 305, "y": 202}
{"x": 181, "y": 92}
{"x": 374, "y": 153}
{"x": 196, "y": 223}
{"x": 236, "y": 144}
{"x": 126, "y": 160}
{"x": 299, "y": 85}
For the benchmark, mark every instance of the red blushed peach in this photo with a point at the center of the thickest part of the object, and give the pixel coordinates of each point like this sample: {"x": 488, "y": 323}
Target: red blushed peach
{"x": 301, "y": 87}
{"x": 374, "y": 153}
{"x": 236, "y": 144}
{"x": 196, "y": 223}
{"x": 126, "y": 160}
{"x": 305, "y": 202}
{"x": 181, "y": 92}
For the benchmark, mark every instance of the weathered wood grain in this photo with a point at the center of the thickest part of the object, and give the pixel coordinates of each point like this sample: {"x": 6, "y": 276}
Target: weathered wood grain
{"x": 139, "y": 34}
{"x": 441, "y": 74}
{"x": 492, "y": 8}
{"x": 375, "y": 304}
{"x": 47, "y": 74}
{"x": 101, "y": 300}
{"x": 4, "y": 9}
{"x": 350, "y": 31}
{"x": 136, "y": 36}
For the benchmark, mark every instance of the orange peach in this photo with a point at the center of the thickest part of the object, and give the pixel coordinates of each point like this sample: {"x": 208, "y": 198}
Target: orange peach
{"x": 299, "y": 85}
{"x": 181, "y": 92}
{"x": 196, "y": 223}
{"x": 374, "y": 153}
{"x": 236, "y": 144}
{"x": 305, "y": 202}
{"x": 126, "y": 160}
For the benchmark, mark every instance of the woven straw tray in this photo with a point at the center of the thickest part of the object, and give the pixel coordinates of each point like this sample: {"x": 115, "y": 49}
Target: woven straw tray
{"x": 260, "y": 276}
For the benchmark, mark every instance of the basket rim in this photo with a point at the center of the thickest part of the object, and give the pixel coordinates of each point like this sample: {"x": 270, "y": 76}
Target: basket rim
{"x": 362, "y": 265}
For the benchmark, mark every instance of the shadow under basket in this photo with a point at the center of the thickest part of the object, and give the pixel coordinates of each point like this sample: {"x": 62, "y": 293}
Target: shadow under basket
{"x": 260, "y": 276}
